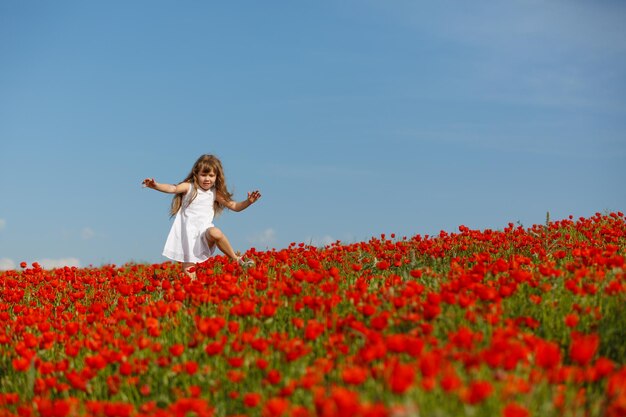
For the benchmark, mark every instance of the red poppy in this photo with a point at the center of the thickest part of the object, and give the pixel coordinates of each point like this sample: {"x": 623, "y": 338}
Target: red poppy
{"x": 547, "y": 354}
{"x": 478, "y": 391}
{"x": 382, "y": 265}
{"x": 214, "y": 348}
{"x": 52, "y": 408}
{"x": 235, "y": 375}
{"x": 571, "y": 320}
{"x": 583, "y": 347}
{"x": 236, "y": 362}
{"x": 21, "y": 364}
{"x": 515, "y": 410}
{"x": 402, "y": 378}
{"x": 76, "y": 380}
{"x": 177, "y": 349}
{"x": 450, "y": 381}
{"x": 262, "y": 363}
{"x": 416, "y": 273}
{"x": 346, "y": 401}
{"x": 251, "y": 399}
{"x": 313, "y": 330}
{"x": 275, "y": 407}
{"x": 273, "y": 376}
{"x": 429, "y": 364}
{"x": 210, "y": 326}
{"x": 191, "y": 367}
{"x": 354, "y": 375}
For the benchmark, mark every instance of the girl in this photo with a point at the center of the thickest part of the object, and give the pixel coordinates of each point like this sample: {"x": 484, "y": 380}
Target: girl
{"x": 197, "y": 199}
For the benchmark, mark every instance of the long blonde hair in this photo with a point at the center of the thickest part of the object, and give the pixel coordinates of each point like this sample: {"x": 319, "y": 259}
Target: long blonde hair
{"x": 204, "y": 164}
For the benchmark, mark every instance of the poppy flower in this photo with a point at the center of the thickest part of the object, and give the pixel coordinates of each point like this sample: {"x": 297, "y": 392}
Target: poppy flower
{"x": 571, "y": 320}
{"x": 313, "y": 330}
{"x": 450, "y": 381}
{"x": 583, "y": 347}
{"x": 191, "y": 367}
{"x": 478, "y": 391}
{"x": 354, "y": 375}
{"x": 236, "y": 362}
{"x": 273, "y": 376}
{"x": 515, "y": 410}
{"x": 214, "y": 348}
{"x": 251, "y": 399}
{"x": 275, "y": 407}
{"x": 547, "y": 354}
{"x": 53, "y": 408}
{"x": 21, "y": 364}
{"x": 177, "y": 349}
{"x": 401, "y": 378}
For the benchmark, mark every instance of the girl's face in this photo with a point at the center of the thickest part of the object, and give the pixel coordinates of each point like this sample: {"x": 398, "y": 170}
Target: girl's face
{"x": 206, "y": 180}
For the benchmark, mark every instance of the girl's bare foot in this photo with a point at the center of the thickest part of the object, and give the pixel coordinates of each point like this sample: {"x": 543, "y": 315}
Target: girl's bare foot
{"x": 245, "y": 262}
{"x": 190, "y": 271}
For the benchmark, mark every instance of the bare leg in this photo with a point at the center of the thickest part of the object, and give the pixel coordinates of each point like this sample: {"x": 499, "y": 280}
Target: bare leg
{"x": 215, "y": 236}
{"x": 186, "y": 266}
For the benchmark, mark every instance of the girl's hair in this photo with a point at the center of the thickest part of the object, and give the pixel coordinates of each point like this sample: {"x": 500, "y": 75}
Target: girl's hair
{"x": 204, "y": 164}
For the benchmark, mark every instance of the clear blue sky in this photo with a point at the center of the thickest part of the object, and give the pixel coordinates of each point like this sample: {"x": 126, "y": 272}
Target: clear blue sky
{"x": 353, "y": 118}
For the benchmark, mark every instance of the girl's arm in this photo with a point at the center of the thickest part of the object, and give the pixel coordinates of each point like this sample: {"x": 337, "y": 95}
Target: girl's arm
{"x": 183, "y": 187}
{"x": 240, "y": 205}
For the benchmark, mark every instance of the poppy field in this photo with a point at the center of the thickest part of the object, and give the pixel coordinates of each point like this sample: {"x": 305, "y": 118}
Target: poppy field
{"x": 523, "y": 321}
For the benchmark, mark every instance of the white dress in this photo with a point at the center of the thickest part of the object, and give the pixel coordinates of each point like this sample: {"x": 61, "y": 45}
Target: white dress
{"x": 186, "y": 241}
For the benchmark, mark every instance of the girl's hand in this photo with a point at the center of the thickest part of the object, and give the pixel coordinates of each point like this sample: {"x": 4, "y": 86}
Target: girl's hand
{"x": 254, "y": 196}
{"x": 149, "y": 182}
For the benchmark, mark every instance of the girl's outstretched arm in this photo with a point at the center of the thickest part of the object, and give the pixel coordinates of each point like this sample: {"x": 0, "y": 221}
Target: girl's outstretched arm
{"x": 253, "y": 196}
{"x": 166, "y": 188}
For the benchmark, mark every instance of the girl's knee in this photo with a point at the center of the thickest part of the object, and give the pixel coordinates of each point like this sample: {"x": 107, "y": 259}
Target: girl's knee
{"x": 213, "y": 233}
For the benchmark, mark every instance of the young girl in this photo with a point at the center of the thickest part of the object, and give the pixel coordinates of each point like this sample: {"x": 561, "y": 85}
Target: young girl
{"x": 198, "y": 198}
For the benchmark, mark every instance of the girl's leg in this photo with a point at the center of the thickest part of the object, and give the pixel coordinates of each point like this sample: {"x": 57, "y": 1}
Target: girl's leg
{"x": 215, "y": 236}
{"x": 186, "y": 266}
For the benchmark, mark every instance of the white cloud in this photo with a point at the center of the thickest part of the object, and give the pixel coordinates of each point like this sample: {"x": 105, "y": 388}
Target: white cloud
{"x": 265, "y": 238}
{"x": 3, "y": 223}
{"x": 563, "y": 54}
{"x": 58, "y": 263}
{"x": 581, "y": 25}
{"x": 87, "y": 233}
{"x": 6, "y": 264}
{"x": 321, "y": 241}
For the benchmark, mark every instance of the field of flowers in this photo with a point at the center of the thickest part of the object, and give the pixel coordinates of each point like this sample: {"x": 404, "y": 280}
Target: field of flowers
{"x": 513, "y": 322}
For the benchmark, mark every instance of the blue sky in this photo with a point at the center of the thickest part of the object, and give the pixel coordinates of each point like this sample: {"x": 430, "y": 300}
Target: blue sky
{"x": 353, "y": 118}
